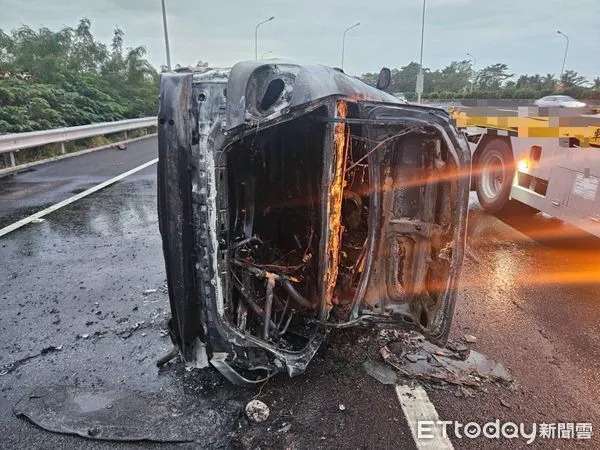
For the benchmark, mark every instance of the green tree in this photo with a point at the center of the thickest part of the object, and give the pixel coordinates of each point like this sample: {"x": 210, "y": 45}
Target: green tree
{"x": 532, "y": 82}
{"x": 87, "y": 55}
{"x": 495, "y": 81}
{"x": 66, "y": 78}
{"x": 549, "y": 81}
{"x": 571, "y": 78}
{"x": 405, "y": 79}
{"x": 402, "y": 80}
{"x": 492, "y": 77}
{"x": 453, "y": 78}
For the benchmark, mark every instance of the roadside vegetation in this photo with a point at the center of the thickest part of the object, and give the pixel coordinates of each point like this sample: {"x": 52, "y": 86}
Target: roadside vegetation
{"x": 51, "y": 79}
{"x": 65, "y": 78}
{"x": 459, "y": 81}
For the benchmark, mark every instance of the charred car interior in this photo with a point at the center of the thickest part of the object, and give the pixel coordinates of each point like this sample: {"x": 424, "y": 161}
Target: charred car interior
{"x": 294, "y": 199}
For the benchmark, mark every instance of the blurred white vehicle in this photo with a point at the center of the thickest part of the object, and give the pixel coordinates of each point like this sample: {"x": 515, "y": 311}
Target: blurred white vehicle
{"x": 400, "y": 96}
{"x": 559, "y": 101}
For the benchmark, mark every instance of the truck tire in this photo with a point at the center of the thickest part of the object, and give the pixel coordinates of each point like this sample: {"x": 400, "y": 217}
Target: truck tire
{"x": 495, "y": 171}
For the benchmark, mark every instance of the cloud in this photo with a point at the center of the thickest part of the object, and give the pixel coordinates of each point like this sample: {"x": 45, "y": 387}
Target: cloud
{"x": 521, "y": 34}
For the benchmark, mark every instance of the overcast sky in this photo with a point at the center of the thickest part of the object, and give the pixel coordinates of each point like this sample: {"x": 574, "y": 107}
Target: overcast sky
{"x": 521, "y": 33}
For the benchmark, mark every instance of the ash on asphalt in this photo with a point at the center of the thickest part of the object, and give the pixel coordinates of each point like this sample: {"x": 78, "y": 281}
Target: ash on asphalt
{"x": 335, "y": 404}
{"x": 76, "y": 283}
{"x": 89, "y": 283}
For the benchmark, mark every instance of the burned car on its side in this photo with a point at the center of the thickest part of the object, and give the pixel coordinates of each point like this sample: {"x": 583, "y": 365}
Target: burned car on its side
{"x": 294, "y": 199}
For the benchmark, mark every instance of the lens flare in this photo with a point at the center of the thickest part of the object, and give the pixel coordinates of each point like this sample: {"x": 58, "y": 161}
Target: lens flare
{"x": 523, "y": 165}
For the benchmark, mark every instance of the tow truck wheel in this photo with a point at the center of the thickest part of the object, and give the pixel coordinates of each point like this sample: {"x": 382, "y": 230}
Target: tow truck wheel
{"x": 493, "y": 180}
{"x": 495, "y": 173}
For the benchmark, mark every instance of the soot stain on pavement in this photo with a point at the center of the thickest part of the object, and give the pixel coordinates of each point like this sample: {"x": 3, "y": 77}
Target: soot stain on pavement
{"x": 126, "y": 415}
{"x": 77, "y": 284}
{"x": 334, "y": 404}
{"x": 329, "y": 406}
{"x": 92, "y": 283}
{"x": 17, "y": 214}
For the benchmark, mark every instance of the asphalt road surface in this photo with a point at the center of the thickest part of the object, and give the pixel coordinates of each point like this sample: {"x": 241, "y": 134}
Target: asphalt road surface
{"x": 84, "y": 304}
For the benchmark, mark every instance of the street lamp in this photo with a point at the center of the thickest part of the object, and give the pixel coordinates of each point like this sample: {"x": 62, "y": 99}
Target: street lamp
{"x": 344, "y": 40}
{"x": 256, "y": 35}
{"x": 565, "y": 57}
{"x": 472, "y": 70}
{"x": 420, "y": 76}
{"x": 164, "y": 16}
{"x": 265, "y": 54}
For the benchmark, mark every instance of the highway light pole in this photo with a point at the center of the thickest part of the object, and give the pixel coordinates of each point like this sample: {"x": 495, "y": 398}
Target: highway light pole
{"x": 562, "y": 70}
{"x": 420, "y": 75}
{"x": 344, "y": 40}
{"x": 164, "y": 15}
{"x": 256, "y": 35}
{"x": 472, "y": 71}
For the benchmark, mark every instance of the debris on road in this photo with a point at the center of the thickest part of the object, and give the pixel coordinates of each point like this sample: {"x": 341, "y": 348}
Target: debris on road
{"x": 460, "y": 350}
{"x": 414, "y": 357}
{"x": 38, "y": 220}
{"x": 380, "y": 372}
{"x": 285, "y": 428}
{"x": 168, "y": 357}
{"x": 127, "y": 415}
{"x": 342, "y": 407}
{"x": 51, "y": 348}
{"x": 257, "y": 411}
{"x": 127, "y": 332}
{"x": 149, "y": 291}
{"x": 466, "y": 392}
{"x": 469, "y": 338}
{"x": 8, "y": 368}
{"x": 505, "y": 403}
{"x": 120, "y": 146}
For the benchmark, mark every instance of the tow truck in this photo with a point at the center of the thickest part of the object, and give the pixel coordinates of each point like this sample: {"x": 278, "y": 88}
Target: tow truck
{"x": 535, "y": 159}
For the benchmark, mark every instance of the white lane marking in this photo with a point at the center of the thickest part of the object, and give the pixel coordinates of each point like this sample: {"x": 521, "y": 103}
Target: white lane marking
{"x": 417, "y": 407}
{"x": 43, "y": 212}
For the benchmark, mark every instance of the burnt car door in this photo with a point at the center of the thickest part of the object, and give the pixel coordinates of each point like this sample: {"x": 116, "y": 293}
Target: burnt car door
{"x": 418, "y": 196}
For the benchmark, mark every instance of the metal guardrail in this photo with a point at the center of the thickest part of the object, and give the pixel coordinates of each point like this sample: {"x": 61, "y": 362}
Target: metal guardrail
{"x": 10, "y": 143}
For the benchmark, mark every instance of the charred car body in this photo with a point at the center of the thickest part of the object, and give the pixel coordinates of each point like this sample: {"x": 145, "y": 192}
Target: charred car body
{"x": 294, "y": 199}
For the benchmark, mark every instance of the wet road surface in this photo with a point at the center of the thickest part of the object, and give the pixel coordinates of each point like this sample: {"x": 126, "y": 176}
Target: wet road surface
{"x": 90, "y": 281}
{"x": 30, "y": 191}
